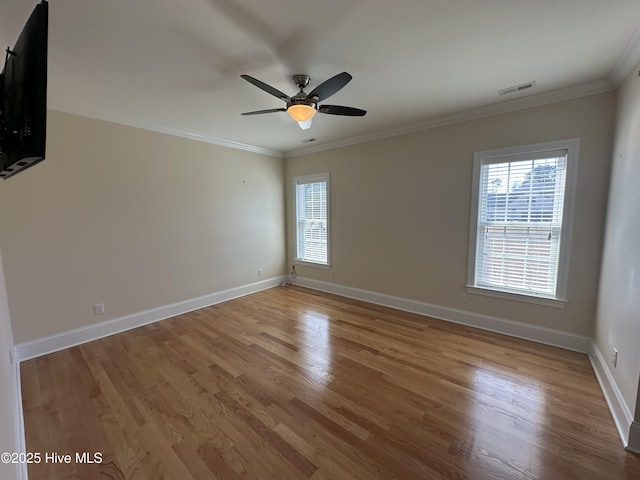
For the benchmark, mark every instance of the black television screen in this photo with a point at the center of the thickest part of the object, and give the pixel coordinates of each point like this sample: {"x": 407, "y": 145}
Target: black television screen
{"x": 23, "y": 102}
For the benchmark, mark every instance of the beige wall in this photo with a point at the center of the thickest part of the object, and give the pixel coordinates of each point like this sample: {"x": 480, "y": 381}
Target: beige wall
{"x": 400, "y": 209}
{"x": 9, "y": 418}
{"x": 618, "y": 316}
{"x": 135, "y": 220}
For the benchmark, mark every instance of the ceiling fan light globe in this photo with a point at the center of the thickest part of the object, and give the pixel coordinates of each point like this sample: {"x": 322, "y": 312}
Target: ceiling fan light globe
{"x": 301, "y": 113}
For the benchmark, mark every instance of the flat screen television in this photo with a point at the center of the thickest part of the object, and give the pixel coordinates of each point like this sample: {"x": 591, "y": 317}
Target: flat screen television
{"x": 23, "y": 97}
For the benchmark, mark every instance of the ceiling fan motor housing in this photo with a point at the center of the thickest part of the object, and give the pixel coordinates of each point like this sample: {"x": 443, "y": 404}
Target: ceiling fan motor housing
{"x": 302, "y": 99}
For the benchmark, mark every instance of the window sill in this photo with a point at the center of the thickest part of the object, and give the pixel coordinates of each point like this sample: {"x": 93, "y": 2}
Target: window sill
{"x": 517, "y": 297}
{"x": 306, "y": 263}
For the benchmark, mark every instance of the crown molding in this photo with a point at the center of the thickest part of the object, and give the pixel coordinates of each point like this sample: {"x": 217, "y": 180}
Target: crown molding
{"x": 629, "y": 58}
{"x": 530, "y": 101}
{"x": 569, "y": 93}
{"x": 161, "y": 128}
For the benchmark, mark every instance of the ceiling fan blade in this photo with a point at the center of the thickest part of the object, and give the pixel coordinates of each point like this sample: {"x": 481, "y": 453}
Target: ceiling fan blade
{"x": 340, "y": 110}
{"x": 267, "y": 88}
{"x": 329, "y": 87}
{"x": 259, "y": 112}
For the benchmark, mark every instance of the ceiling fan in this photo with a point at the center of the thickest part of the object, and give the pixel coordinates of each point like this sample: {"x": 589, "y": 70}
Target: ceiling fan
{"x": 303, "y": 106}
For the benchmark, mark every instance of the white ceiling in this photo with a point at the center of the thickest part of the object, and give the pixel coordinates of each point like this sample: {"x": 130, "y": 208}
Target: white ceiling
{"x": 175, "y": 66}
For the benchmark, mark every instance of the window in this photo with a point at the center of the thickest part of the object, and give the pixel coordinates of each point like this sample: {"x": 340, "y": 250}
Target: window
{"x": 522, "y": 206}
{"x": 312, "y": 218}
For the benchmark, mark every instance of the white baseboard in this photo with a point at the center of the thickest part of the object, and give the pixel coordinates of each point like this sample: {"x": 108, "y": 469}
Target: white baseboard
{"x": 43, "y": 346}
{"x": 634, "y": 438}
{"x": 23, "y": 473}
{"x": 622, "y": 417}
{"x": 548, "y": 336}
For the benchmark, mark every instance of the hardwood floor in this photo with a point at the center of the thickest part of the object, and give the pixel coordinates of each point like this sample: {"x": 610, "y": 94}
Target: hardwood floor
{"x": 295, "y": 384}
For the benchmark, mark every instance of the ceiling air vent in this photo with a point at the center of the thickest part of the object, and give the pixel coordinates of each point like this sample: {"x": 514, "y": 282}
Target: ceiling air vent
{"x": 517, "y": 88}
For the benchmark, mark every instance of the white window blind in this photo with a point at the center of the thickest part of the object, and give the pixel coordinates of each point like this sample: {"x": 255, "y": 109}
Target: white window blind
{"x": 520, "y": 221}
{"x": 312, "y": 219}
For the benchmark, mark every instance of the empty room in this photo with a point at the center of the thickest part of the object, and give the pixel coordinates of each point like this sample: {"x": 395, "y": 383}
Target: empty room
{"x": 320, "y": 240}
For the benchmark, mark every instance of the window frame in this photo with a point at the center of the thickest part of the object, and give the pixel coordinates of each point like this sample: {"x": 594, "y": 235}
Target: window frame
{"x": 572, "y": 147}
{"x": 304, "y": 179}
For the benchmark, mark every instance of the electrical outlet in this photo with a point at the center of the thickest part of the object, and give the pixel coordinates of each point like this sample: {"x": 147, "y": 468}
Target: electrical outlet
{"x": 98, "y": 309}
{"x": 614, "y": 358}
{"x": 260, "y": 272}
{"x": 462, "y": 297}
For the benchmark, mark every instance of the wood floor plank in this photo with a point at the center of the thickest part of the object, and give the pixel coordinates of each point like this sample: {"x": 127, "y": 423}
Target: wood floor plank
{"x": 291, "y": 383}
